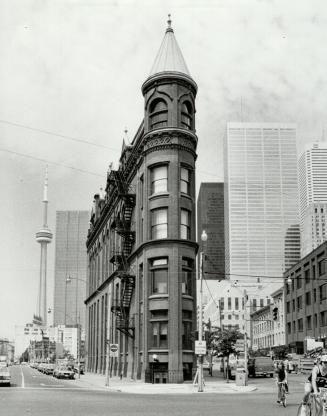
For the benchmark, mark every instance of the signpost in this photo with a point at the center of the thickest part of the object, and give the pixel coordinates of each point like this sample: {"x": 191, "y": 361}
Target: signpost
{"x": 239, "y": 345}
{"x": 200, "y": 347}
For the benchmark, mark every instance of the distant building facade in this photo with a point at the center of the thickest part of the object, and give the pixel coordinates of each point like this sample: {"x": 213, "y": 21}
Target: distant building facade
{"x": 210, "y": 217}
{"x": 292, "y": 251}
{"x": 24, "y": 334}
{"x": 267, "y": 332}
{"x": 313, "y": 190}
{"x": 261, "y": 198}
{"x": 306, "y": 299}
{"x": 142, "y": 239}
{"x": 70, "y": 267}
{"x": 314, "y": 226}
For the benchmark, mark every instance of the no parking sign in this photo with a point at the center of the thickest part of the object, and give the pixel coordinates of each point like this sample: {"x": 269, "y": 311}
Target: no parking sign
{"x": 113, "y": 350}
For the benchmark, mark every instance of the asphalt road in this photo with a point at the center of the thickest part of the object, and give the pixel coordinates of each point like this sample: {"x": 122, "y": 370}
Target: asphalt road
{"x": 40, "y": 395}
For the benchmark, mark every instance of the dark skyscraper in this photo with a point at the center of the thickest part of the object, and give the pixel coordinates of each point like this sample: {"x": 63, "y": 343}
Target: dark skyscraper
{"x": 210, "y": 206}
{"x": 70, "y": 267}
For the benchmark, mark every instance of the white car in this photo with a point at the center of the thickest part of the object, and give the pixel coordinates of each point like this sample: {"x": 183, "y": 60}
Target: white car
{"x": 5, "y": 378}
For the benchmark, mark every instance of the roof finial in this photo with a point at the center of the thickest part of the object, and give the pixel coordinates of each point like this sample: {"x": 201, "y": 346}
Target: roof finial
{"x": 169, "y": 28}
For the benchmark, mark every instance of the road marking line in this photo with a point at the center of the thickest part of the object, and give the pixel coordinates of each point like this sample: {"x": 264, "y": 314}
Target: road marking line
{"x": 23, "y": 381}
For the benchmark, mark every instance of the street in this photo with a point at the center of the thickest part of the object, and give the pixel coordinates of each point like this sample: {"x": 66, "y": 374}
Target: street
{"x": 36, "y": 394}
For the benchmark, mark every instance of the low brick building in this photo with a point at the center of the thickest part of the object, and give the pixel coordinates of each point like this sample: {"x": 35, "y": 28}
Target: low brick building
{"x": 306, "y": 299}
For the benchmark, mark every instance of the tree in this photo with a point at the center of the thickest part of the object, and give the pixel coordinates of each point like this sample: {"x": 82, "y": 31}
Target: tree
{"x": 222, "y": 341}
{"x": 281, "y": 352}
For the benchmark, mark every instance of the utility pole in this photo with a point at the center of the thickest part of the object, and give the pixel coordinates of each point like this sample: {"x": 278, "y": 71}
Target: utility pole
{"x": 200, "y": 374}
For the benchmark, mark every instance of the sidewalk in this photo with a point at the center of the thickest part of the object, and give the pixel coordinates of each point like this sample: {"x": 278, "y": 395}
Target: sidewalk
{"x": 97, "y": 381}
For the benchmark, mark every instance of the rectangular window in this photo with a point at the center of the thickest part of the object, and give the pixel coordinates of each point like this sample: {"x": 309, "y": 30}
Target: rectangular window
{"x": 322, "y": 292}
{"x": 307, "y": 276}
{"x": 159, "y": 332}
{"x": 159, "y": 276}
{"x": 316, "y": 321}
{"x": 288, "y": 307}
{"x": 321, "y": 267}
{"x": 300, "y": 325}
{"x": 309, "y": 323}
{"x": 298, "y": 282}
{"x": 293, "y": 305}
{"x": 159, "y": 223}
{"x": 187, "y": 343}
{"x": 308, "y": 298}
{"x": 313, "y": 271}
{"x": 299, "y": 303}
{"x": 314, "y": 295}
{"x": 261, "y": 303}
{"x": 141, "y": 282}
{"x": 236, "y": 304}
{"x": 185, "y": 224}
{"x": 185, "y": 181}
{"x": 229, "y": 300}
{"x": 222, "y": 304}
{"x": 141, "y": 191}
{"x": 289, "y": 328}
{"x": 187, "y": 273}
{"x": 293, "y": 284}
{"x": 254, "y": 304}
{"x": 159, "y": 179}
{"x": 323, "y": 316}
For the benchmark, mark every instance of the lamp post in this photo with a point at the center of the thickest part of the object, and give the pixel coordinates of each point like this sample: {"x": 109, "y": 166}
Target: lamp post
{"x": 78, "y": 323}
{"x": 204, "y": 238}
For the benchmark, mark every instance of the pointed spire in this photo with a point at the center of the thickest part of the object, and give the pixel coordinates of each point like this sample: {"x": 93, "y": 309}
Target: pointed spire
{"x": 169, "y": 57}
{"x": 45, "y": 189}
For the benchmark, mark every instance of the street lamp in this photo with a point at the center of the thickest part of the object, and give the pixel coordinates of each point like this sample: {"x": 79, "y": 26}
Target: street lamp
{"x": 204, "y": 238}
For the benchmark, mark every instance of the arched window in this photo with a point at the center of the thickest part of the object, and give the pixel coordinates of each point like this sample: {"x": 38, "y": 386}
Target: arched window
{"x": 187, "y": 116}
{"x": 158, "y": 114}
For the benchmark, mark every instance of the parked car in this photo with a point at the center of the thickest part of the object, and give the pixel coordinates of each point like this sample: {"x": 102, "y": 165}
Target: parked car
{"x": 261, "y": 366}
{"x": 5, "y": 378}
{"x": 49, "y": 369}
{"x": 63, "y": 371}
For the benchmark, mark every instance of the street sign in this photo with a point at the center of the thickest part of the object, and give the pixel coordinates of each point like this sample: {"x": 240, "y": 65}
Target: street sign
{"x": 200, "y": 347}
{"x": 113, "y": 350}
{"x": 239, "y": 345}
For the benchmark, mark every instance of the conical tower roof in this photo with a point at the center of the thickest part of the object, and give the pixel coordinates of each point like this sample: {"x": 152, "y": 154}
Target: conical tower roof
{"x": 169, "y": 57}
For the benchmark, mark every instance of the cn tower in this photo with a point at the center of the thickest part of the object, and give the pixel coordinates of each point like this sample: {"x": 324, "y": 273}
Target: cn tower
{"x": 44, "y": 237}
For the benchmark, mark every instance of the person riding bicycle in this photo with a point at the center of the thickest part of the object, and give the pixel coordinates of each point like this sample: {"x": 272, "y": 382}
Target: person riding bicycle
{"x": 281, "y": 377}
{"x": 317, "y": 379}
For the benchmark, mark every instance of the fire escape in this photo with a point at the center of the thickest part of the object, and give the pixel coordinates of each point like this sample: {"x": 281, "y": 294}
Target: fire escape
{"x": 121, "y": 306}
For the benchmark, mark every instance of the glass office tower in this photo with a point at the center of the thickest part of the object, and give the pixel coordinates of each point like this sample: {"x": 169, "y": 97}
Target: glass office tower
{"x": 261, "y": 200}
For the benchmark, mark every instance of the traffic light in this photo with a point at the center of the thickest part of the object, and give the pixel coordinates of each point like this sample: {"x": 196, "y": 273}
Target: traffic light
{"x": 275, "y": 313}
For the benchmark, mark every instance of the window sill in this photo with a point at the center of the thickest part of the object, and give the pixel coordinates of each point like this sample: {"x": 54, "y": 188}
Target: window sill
{"x": 162, "y": 295}
{"x": 187, "y": 196}
{"x": 159, "y": 195}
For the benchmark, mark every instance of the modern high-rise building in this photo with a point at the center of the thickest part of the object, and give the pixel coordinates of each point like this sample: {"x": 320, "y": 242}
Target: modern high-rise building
{"x": 210, "y": 217}
{"x": 261, "y": 203}
{"x": 313, "y": 189}
{"x": 70, "y": 267}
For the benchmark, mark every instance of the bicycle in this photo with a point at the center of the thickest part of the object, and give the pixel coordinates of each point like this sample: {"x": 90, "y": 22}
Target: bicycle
{"x": 282, "y": 392}
{"x": 316, "y": 405}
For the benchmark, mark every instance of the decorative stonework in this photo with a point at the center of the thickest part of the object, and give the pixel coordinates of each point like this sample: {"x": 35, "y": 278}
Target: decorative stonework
{"x": 165, "y": 140}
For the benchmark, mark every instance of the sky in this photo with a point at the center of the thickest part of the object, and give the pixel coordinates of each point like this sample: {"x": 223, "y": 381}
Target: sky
{"x": 70, "y": 85}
